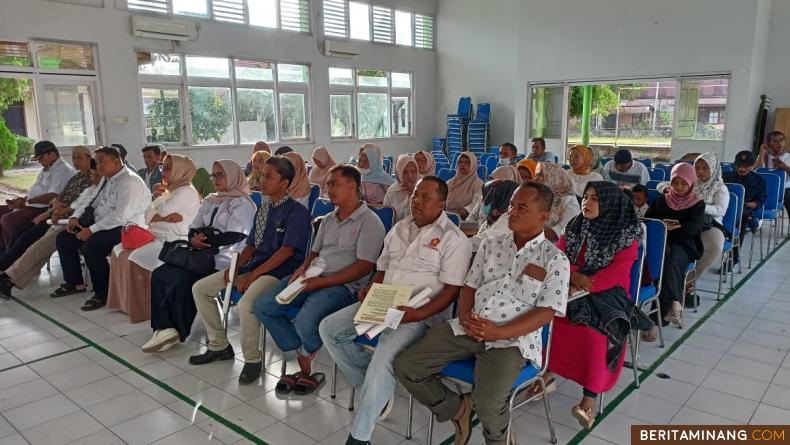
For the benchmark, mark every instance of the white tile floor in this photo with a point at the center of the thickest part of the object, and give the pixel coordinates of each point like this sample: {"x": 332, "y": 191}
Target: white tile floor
{"x": 56, "y": 389}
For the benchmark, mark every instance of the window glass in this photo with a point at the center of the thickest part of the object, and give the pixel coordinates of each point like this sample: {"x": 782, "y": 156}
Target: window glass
{"x": 162, "y": 114}
{"x": 211, "y": 115}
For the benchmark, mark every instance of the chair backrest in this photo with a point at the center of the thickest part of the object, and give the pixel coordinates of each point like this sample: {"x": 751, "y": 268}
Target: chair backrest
{"x": 386, "y": 215}
{"x": 492, "y": 164}
{"x": 321, "y": 207}
{"x": 445, "y": 174}
{"x": 465, "y": 106}
{"x": 656, "y": 246}
{"x": 636, "y": 274}
{"x": 730, "y": 219}
{"x": 782, "y": 178}
{"x": 772, "y": 182}
{"x": 387, "y": 165}
{"x": 482, "y": 172}
{"x": 727, "y": 168}
{"x": 315, "y": 192}
{"x": 652, "y": 185}
{"x": 657, "y": 174}
{"x": 494, "y": 151}
{"x": 605, "y": 161}
{"x": 652, "y": 196}
{"x": 483, "y": 112}
{"x": 454, "y": 218}
{"x": 454, "y": 162}
{"x": 667, "y": 170}
{"x": 740, "y": 192}
{"x": 257, "y": 198}
{"x": 646, "y": 162}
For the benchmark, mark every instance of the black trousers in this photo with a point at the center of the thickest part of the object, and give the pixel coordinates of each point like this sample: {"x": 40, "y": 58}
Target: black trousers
{"x": 676, "y": 261}
{"x": 787, "y": 200}
{"x": 95, "y": 250}
{"x": 172, "y": 304}
{"x": 23, "y": 239}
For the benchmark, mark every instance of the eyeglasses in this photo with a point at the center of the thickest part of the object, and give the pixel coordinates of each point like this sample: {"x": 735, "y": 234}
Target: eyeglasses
{"x": 164, "y": 167}
{"x": 217, "y": 175}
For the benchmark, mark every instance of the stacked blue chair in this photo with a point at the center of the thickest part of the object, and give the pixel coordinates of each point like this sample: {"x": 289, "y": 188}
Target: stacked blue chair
{"x": 445, "y": 174}
{"x": 438, "y": 144}
{"x": 478, "y": 133}
{"x": 458, "y": 124}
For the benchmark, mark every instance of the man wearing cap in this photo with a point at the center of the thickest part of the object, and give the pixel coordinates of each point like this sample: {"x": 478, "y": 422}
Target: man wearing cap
{"x": 772, "y": 155}
{"x": 49, "y": 184}
{"x": 623, "y": 171}
{"x": 755, "y": 192}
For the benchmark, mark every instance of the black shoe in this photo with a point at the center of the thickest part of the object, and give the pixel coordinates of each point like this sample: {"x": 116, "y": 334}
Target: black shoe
{"x": 212, "y": 356}
{"x": 250, "y": 373}
{"x": 352, "y": 441}
{"x": 5, "y": 289}
{"x": 690, "y": 299}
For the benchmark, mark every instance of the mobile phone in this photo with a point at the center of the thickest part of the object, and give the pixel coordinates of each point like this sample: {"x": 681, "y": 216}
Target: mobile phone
{"x": 671, "y": 222}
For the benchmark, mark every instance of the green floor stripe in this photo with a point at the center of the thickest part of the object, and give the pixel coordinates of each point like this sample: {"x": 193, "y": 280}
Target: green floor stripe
{"x": 44, "y": 358}
{"x": 611, "y": 406}
{"x": 225, "y": 422}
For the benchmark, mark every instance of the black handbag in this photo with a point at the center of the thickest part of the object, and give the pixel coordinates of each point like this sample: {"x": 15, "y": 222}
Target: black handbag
{"x": 88, "y": 217}
{"x": 183, "y": 255}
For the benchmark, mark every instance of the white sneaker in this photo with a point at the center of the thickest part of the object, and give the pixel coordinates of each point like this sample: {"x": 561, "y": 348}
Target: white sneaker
{"x": 162, "y": 341}
{"x": 147, "y": 347}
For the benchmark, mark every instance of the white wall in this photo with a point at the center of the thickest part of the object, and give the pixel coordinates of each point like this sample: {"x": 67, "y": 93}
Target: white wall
{"x": 777, "y": 65}
{"x": 110, "y": 29}
{"x": 601, "y": 39}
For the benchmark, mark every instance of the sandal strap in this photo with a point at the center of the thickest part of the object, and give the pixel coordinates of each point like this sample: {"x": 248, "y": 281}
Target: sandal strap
{"x": 290, "y": 379}
{"x": 307, "y": 381}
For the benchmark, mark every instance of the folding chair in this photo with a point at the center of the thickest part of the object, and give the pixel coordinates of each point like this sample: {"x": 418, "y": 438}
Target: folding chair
{"x": 654, "y": 255}
{"x": 482, "y": 172}
{"x": 653, "y": 184}
{"x": 732, "y": 224}
{"x": 321, "y": 207}
{"x": 633, "y": 290}
{"x": 657, "y": 174}
{"x": 462, "y": 373}
{"x": 491, "y": 164}
{"x": 773, "y": 204}
{"x": 740, "y": 192}
{"x": 646, "y": 162}
{"x": 454, "y": 218}
{"x": 386, "y": 215}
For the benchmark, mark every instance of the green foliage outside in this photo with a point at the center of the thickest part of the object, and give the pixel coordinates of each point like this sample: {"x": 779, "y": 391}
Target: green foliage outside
{"x": 11, "y": 92}
{"x": 211, "y": 114}
{"x": 7, "y": 146}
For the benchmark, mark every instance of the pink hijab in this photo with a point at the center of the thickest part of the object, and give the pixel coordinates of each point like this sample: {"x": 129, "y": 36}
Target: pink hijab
{"x": 687, "y": 173}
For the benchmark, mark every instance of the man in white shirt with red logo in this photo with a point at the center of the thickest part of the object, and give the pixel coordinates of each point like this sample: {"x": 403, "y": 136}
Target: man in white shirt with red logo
{"x": 772, "y": 155}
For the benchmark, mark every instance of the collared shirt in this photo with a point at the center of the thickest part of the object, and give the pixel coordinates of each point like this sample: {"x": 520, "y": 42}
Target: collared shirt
{"x": 504, "y": 292}
{"x": 76, "y": 185}
{"x": 399, "y": 200}
{"x": 637, "y": 174}
{"x": 233, "y": 215}
{"x": 52, "y": 179}
{"x": 784, "y": 158}
{"x": 122, "y": 201}
{"x": 432, "y": 256}
{"x": 547, "y": 157}
{"x": 151, "y": 177}
{"x": 287, "y": 225}
{"x": 342, "y": 243}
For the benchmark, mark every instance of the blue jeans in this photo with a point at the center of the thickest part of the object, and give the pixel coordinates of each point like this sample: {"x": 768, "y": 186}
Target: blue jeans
{"x": 298, "y": 335}
{"x": 373, "y": 372}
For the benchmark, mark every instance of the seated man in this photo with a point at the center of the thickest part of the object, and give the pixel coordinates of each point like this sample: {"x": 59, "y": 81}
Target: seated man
{"x": 95, "y": 228}
{"x": 519, "y": 281}
{"x": 49, "y": 184}
{"x": 773, "y": 155}
{"x": 348, "y": 242}
{"x": 152, "y": 157}
{"x": 423, "y": 250}
{"x": 275, "y": 249}
{"x": 755, "y": 196}
{"x": 507, "y": 154}
{"x": 623, "y": 171}
{"x": 27, "y": 267}
{"x": 539, "y": 153}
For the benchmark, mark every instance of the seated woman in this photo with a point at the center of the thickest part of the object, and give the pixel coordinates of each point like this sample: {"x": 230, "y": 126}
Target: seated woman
{"x": 257, "y": 162}
{"x": 496, "y": 201}
{"x": 230, "y": 209}
{"x": 300, "y": 186}
{"x": 710, "y": 187}
{"x": 322, "y": 163}
{"x": 168, "y": 219}
{"x": 425, "y": 162}
{"x": 581, "y": 159}
{"x": 526, "y": 168}
{"x": 375, "y": 181}
{"x": 504, "y": 173}
{"x": 683, "y": 211}
{"x": 465, "y": 189}
{"x": 588, "y": 344}
{"x": 565, "y": 205}
{"x": 399, "y": 194}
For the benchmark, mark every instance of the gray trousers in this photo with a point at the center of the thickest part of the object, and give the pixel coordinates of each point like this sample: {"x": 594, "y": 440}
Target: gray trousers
{"x": 495, "y": 371}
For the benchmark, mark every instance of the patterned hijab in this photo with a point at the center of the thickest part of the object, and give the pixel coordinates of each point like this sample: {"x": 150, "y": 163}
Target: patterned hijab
{"x": 376, "y": 174}
{"x": 496, "y": 195}
{"x": 462, "y": 188}
{"x": 707, "y": 190}
{"x": 430, "y": 164}
{"x": 182, "y": 172}
{"x": 255, "y": 176}
{"x": 685, "y": 172}
{"x": 237, "y": 183}
{"x": 615, "y": 228}
{"x": 586, "y": 155}
{"x": 300, "y": 186}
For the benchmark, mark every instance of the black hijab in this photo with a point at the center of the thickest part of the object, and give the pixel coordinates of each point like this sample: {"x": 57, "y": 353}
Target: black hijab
{"x": 615, "y": 228}
{"x": 496, "y": 195}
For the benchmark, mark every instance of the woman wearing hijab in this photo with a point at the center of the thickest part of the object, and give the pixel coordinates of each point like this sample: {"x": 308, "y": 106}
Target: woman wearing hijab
{"x": 526, "y": 169}
{"x": 168, "y": 219}
{"x": 202, "y": 182}
{"x": 425, "y": 162}
{"x": 300, "y": 186}
{"x": 465, "y": 189}
{"x": 230, "y": 209}
{"x": 683, "y": 212}
{"x": 375, "y": 148}
{"x": 504, "y": 173}
{"x": 565, "y": 205}
{"x": 710, "y": 187}
{"x": 496, "y": 201}
{"x": 375, "y": 181}
{"x": 580, "y": 158}
{"x": 258, "y": 161}
{"x": 399, "y": 194}
{"x": 322, "y": 163}
{"x": 588, "y": 344}
{"x": 258, "y": 147}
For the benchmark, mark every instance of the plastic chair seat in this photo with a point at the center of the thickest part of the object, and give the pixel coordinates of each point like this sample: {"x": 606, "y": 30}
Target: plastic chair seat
{"x": 463, "y": 370}
{"x": 765, "y": 214}
{"x": 646, "y": 293}
{"x": 727, "y": 246}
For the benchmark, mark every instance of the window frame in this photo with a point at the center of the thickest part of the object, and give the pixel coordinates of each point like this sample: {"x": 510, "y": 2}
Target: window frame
{"x": 371, "y": 22}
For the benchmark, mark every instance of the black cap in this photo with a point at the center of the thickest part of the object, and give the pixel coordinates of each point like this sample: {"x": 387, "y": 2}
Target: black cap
{"x": 744, "y": 157}
{"x": 43, "y": 147}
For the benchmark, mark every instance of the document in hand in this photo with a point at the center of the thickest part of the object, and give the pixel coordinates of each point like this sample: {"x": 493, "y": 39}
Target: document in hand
{"x": 393, "y": 316}
{"x": 381, "y": 297}
{"x": 577, "y": 294}
{"x": 294, "y": 289}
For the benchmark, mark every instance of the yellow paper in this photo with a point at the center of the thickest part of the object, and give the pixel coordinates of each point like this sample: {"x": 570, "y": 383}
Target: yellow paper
{"x": 380, "y": 298}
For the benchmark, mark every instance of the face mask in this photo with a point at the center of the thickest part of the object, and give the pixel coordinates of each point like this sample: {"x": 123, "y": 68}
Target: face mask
{"x": 487, "y": 209}
{"x": 364, "y": 171}
{"x": 503, "y": 162}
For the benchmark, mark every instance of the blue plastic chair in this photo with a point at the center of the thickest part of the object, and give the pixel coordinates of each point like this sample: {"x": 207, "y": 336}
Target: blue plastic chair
{"x": 445, "y": 174}
{"x": 494, "y": 151}
{"x": 315, "y": 192}
{"x": 566, "y": 167}
{"x": 657, "y": 174}
{"x": 633, "y": 292}
{"x": 321, "y": 207}
{"x": 652, "y": 196}
{"x": 257, "y": 198}
{"x": 463, "y": 371}
{"x": 482, "y": 172}
{"x": 646, "y": 162}
{"x": 654, "y": 255}
{"x": 387, "y": 165}
{"x": 727, "y": 168}
{"x": 667, "y": 170}
{"x": 731, "y": 222}
{"x": 386, "y": 215}
{"x": 492, "y": 164}
{"x": 454, "y": 218}
{"x": 771, "y": 210}
{"x": 652, "y": 184}
{"x": 464, "y": 109}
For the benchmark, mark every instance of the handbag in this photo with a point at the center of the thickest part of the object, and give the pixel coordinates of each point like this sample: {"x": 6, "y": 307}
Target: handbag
{"x": 183, "y": 255}
{"x": 88, "y": 217}
{"x": 134, "y": 236}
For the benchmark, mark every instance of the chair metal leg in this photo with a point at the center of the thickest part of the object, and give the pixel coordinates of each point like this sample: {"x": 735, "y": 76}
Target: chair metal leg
{"x": 721, "y": 275}
{"x": 634, "y": 363}
{"x": 600, "y": 403}
{"x": 351, "y": 399}
{"x": 283, "y": 369}
{"x": 263, "y": 344}
{"x": 48, "y": 266}
{"x": 660, "y": 331}
{"x": 430, "y": 430}
{"x": 411, "y": 417}
{"x": 333, "y": 394}
{"x": 547, "y": 407}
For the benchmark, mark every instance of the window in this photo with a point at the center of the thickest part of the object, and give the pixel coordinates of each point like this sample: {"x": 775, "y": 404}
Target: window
{"x": 15, "y": 54}
{"x": 69, "y": 115}
{"x": 363, "y": 21}
{"x": 713, "y": 117}
{"x": 288, "y": 15}
{"x": 54, "y": 55}
{"x": 701, "y": 107}
{"x": 359, "y": 13}
{"x": 369, "y": 104}
{"x": 229, "y": 101}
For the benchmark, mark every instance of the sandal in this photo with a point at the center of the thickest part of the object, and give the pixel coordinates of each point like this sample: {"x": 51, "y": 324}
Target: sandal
{"x": 93, "y": 304}
{"x": 66, "y": 289}
{"x": 287, "y": 382}
{"x": 535, "y": 389}
{"x": 649, "y": 336}
{"x": 308, "y": 384}
{"x": 674, "y": 316}
{"x": 586, "y": 417}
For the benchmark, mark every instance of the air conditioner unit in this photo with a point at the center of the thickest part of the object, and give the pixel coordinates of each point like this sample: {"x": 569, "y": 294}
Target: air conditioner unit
{"x": 163, "y": 28}
{"x": 334, "y": 48}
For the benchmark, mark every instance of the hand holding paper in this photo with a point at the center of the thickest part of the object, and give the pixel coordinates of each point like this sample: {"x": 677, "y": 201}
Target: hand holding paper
{"x": 372, "y": 330}
{"x": 295, "y": 288}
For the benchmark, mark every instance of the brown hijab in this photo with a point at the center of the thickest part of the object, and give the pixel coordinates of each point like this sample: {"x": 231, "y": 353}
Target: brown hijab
{"x": 320, "y": 175}
{"x": 237, "y": 183}
{"x": 462, "y": 188}
{"x": 300, "y": 186}
{"x": 507, "y": 173}
{"x": 182, "y": 173}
